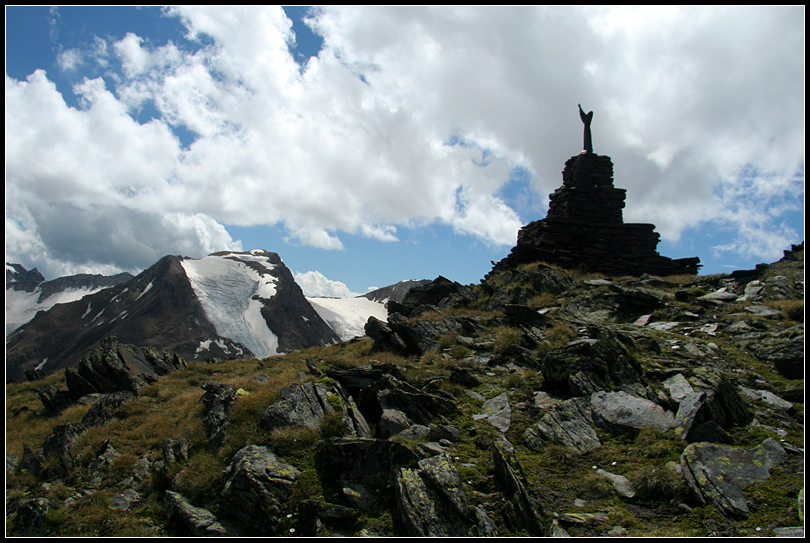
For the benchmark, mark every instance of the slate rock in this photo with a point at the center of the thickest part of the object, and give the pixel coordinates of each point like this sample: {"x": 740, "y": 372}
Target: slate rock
{"x": 569, "y": 424}
{"x": 711, "y": 432}
{"x": 257, "y": 486}
{"x": 688, "y": 412}
{"x": 392, "y": 393}
{"x": 392, "y": 422}
{"x": 360, "y": 497}
{"x": 785, "y": 350}
{"x": 301, "y": 404}
{"x": 621, "y": 412}
{"x": 716, "y": 473}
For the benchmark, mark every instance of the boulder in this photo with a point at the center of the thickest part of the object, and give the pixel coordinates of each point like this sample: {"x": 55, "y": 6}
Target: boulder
{"x": 568, "y": 424}
{"x": 256, "y": 488}
{"x": 621, "y": 412}
{"x": 622, "y": 485}
{"x": 716, "y": 473}
{"x": 218, "y": 400}
{"x": 302, "y": 404}
{"x": 390, "y": 393}
{"x": 678, "y": 387}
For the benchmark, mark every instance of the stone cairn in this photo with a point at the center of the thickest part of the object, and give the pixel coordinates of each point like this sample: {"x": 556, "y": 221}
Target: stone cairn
{"x": 584, "y": 229}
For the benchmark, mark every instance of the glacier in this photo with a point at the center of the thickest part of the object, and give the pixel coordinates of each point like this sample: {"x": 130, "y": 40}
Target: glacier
{"x": 230, "y": 293}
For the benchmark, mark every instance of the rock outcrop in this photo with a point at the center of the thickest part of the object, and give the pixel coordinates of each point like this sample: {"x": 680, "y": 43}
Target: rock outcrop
{"x": 584, "y": 229}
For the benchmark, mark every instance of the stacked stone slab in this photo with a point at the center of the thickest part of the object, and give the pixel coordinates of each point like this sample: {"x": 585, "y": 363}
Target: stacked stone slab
{"x": 584, "y": 228}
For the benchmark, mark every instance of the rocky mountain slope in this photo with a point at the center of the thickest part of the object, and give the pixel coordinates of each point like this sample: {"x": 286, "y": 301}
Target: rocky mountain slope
{"x": 27, "y": 291}
{"x": 541, "y": 402}
{"x": 225, "y": 305}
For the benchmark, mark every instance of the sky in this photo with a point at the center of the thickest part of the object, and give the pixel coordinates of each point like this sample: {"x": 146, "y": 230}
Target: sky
{"x": 368, "y": 145}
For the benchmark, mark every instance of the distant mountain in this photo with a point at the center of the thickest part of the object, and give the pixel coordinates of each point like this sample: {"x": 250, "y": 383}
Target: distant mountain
{"x": 27, "y": 291}
{"x": 395, "y": 292}
{"x": 226, "y": 305}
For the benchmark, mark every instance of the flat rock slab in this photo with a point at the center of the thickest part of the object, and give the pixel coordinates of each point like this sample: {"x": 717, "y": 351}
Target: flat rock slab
{"x": 762, "y": 310}
{"x": 620, "y": 483}
{"x": 716, "y": 473}
{"x": 497, "y": 412}
{"x": 622, "y": 412}
{"x": 678, "y": 387}
{"x": 569, "y": 424}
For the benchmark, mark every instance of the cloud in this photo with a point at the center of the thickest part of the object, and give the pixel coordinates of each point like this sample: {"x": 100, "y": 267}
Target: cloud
{"x": 409, "y": 116}
{"x": 315, "y": 284}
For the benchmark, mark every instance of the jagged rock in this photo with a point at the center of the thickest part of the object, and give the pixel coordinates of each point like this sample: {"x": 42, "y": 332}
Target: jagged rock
{"x": 688, "y": 412}
{"x": 621, "y": 412}
{"x": 392, "y": 393}
{"x": 360, "y": 377}
{"x": 584, "y": 383}
{"x": 384, "y": 336}
{"x": 30, "y": 519}
{"x": 604, "y": 357}
{"x": 509, "y": 473}
{"x": 569, "y": 424}
{"x": 54, "y": 400}
{"x": 620, "y": 483}
{"x": 392, "y": 422}
{"x": 104, "y": 457}
{"x": 174, "y": 450}
{"x": 439, "y": 293}
{"x": 257, "y": 486}
{"x": 61, "y": 442}
{"x": 716, "y": 473}
{"x": 29, "y": 462}
{"x": 723, "y": 403}
{"x": 302, "y": 405}
{"x": 421, "y": 336}
{"x": 522, "y": 315}
{"x": 194, "y": 521}
{"x": 439, "y": 432}
{"x": 105, "y": 409}
{"x": 218, "y": 400}
{"x": 354, "y": 423}
{"x": 711, "y": 432}
{"x": 363, "y": 460}
{"x": 113, "y": 367}
{"x": 497, "y": 412}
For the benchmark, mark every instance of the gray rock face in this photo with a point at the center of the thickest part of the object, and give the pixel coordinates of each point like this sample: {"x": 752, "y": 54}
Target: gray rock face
{"x": 569, "y": 424}
{"x": 621, "y": 412}
{"x": 302, "y": 405}
{"x": 723, "y": 402}
{"x": 716, "y": 473}
{"x": 785, "y": 350}
{"x": 389, "y": 393}
{"x": 256, "y": 488}
{"x": 678, "y": 387}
